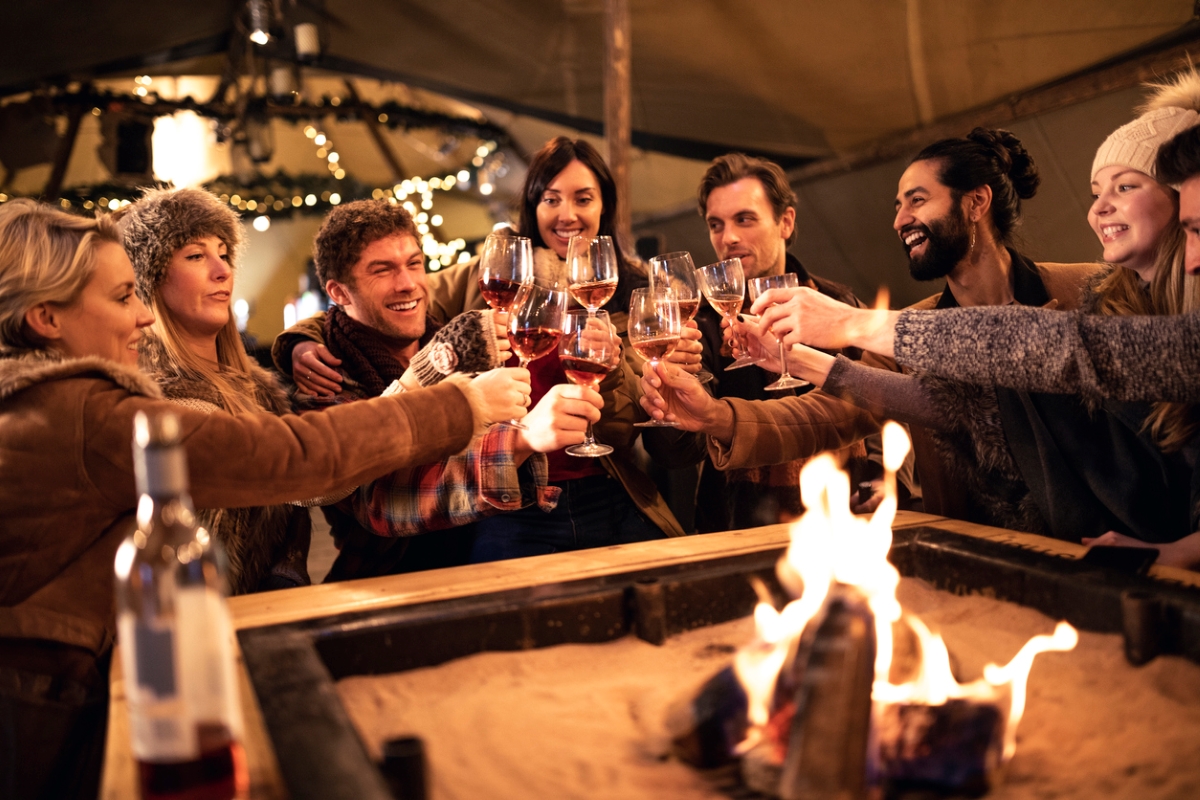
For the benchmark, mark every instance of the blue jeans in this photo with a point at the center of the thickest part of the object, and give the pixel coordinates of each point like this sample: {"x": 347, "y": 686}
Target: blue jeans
{"x": 592, "y": 512}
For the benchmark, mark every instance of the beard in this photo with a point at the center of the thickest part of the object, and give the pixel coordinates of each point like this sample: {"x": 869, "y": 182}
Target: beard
{"x": 947, "y": 242}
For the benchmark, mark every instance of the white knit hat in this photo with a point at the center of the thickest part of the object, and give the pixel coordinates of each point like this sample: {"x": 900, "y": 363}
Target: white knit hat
{"x": 1170, "y": 110}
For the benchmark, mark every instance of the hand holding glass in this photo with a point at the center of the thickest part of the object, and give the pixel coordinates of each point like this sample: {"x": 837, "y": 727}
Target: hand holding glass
{"x": 654, "y": 326}
{"x": 677, "y": 272}
{"x": 535, "y": 323}
{"x": 589, "y": 350}
{"x": 788, "y": 280}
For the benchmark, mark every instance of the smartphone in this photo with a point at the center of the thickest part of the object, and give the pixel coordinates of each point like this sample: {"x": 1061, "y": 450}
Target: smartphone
{"x": 1127, "y": 560}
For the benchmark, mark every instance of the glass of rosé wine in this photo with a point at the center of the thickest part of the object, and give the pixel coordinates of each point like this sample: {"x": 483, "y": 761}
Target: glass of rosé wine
{"x": 654, "y": 327}
{"x": 788, "y": 280}
{"x": 589, "y": 350}
{"x": 724, "y": 285}
{"x": 535, "y": 323}
{"x": 505, "y": 265}
{"x": 677, "y": 272}
{"x": 592, "y": 271}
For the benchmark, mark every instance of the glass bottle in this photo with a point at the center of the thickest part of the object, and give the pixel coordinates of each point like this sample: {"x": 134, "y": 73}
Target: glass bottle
{"x": 175, "y": 634}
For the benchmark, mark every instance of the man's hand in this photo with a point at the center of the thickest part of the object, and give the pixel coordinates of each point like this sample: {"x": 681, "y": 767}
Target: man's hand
{"x": 503, "y": 346}
{"x": 1184, "y": 553}
{"x": 670, "y": 393}
{"x": 496, "y": 395}
{"x": 805, "y": 316}
{"x": 313, "y": 370}
{"x": 560, "y": 418}
{"x": 688, "y": 354}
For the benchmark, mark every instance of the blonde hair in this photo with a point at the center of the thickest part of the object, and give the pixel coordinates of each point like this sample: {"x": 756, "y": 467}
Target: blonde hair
{"x": 1171, "y": 291}
{"x": 46, "y": 256}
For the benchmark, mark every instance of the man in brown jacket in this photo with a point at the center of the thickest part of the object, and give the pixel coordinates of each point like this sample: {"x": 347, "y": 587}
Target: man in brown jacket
{"x": 956, "y": 207}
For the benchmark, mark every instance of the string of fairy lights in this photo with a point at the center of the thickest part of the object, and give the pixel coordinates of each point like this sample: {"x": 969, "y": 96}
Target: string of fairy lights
{"x": 284, "y": 195}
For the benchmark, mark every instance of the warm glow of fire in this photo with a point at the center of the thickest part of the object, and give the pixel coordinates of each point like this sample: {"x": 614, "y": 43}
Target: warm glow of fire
{"x": 829, "y": 544}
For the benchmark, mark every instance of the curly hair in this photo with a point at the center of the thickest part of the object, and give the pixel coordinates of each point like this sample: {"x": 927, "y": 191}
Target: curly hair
{"x": 350, "y": 228}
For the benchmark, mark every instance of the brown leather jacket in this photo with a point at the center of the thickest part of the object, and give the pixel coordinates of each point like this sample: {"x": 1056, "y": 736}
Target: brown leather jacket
{"x": 800, "y": 427}
{"x": 67, "y": 492}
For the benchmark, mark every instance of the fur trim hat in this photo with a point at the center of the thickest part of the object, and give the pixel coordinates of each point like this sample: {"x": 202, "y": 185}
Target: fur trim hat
{"x": 1171, "y": 110}
{"x": 164, "y": 220}
{"x": 466, "y": 343}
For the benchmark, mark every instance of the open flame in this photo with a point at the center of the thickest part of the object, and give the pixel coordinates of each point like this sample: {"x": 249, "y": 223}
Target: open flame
{"x": 829, "y": 544}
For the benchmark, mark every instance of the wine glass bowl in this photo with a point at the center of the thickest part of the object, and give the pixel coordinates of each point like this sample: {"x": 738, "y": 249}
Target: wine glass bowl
{"x": 592, "y": 271}
{"x": 535, "y": 323}
{"x": 505, "y": 264}
{"x": 724, "y": 286}
{"x": 758, "y": 286}
{"x": 676, "y": 271}
{"x": 654, "y": 326}
{"x": 589, "y": 350}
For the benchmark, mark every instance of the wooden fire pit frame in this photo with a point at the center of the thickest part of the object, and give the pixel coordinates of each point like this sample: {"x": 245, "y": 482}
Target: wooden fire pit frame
{"x": 293, "y": 665}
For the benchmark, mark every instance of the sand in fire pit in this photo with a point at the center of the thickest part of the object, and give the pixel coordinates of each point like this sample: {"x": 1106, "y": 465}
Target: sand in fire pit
{"x": 586, "y": 721}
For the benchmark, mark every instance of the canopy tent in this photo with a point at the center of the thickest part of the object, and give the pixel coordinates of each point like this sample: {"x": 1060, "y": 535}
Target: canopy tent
{"x": 806, "y": 83}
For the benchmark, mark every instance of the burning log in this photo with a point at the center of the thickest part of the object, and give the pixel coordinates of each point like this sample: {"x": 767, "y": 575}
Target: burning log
{"x": 827, "y": 747}
{"x": 947, "y": 749}
{"x": 706, "y": 729}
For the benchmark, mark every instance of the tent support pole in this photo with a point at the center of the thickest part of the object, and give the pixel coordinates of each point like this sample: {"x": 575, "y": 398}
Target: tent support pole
{"x": 385, "y": 147}
{"x": 63, "y": 155}
{"x": 618, "y": 122}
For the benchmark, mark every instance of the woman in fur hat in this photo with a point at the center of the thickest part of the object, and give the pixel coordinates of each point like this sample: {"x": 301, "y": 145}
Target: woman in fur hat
{"x": 184, "y": 245}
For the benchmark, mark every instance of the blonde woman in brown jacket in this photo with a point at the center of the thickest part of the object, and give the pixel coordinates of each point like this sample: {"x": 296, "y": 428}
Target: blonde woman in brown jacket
{"x": 69, "y": 389}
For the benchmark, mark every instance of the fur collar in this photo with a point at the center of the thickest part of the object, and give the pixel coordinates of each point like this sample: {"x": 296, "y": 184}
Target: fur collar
{"x": 21, "y": 369}
{"x": 178, "y": 385}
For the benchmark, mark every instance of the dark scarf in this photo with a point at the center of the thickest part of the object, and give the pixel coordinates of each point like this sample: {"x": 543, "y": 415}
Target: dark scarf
{"x": 366, "y": 353}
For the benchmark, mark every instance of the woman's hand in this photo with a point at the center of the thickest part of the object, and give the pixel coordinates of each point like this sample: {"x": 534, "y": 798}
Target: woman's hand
{"x": 763, "y": 346}
{"x": 313, "y": 370}
{"x": 560, "y": 418}
{"x": 503, "y": 346}
{"x": 688, "y": 355}
{"x": 496, "y": 395}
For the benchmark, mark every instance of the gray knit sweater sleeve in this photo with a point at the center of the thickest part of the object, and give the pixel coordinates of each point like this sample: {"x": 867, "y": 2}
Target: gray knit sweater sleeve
{"x": 893, "y": 395}
{"x": 1041, "y": 350}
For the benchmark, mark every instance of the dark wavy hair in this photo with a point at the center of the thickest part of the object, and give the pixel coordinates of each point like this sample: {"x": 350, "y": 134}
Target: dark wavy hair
{"x": 991, "y": 157}
{"x": 553, "y": 158}
{"x": 1179, "y": 159}
{"x": 732, "y": 167}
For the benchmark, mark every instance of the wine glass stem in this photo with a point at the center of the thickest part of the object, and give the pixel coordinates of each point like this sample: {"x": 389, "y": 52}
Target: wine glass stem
{"x": 591, "y": 312}
{"x": 590, "y": 439}
{"x": 783, "y": 361}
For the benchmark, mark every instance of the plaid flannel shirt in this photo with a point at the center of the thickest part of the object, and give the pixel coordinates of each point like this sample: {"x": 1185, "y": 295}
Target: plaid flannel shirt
{"x": 481, "y": 481}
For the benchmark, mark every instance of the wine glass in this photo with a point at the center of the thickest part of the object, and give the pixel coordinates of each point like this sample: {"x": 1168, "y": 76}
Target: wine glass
{"x": 505, "y": 265}
{"x": 592, "y": 271}
{"x": 677, "y": 272}
{"x": 653, "y": 331}
{"x": 535, "y": 323}
{"x": 724, "y": 284}
{"x": 589, "y": 349}
{"x": 788, "y": 280}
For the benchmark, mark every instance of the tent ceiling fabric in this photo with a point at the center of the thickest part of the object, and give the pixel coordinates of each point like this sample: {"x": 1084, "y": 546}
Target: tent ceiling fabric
{"x": 790, "y": 77}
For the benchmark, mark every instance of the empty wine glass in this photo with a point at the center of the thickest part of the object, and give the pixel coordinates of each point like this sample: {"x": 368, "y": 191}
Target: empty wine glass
{"x": 535, "y": 323}
{"x": 592, "y": 271}
{"x": 589, "y": 350}
{"x": 505, "y": 264}
{"x": 724, "y": 284}
{"x": 788, "y": 280}
{"x": 653, "y": 331}
{"x": 677, "y": 272}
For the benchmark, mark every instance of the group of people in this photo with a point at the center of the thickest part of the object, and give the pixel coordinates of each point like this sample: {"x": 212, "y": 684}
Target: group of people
{"x": 1049, "y": 398}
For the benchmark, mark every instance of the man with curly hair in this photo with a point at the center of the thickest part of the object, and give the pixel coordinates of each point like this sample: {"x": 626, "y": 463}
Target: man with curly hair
{"x": 369, "y": 259}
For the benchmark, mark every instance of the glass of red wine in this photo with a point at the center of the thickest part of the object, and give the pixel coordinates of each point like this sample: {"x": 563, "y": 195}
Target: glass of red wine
{"x": 505, "y": 264}
{"x": 677, "y": 272}
{"x": 535, "y": 323}
{"x": 724, "y": 284}
{"x": 592, "y": 271}
{"x": 589, "y": 349}
{"x": 654, "y": 326}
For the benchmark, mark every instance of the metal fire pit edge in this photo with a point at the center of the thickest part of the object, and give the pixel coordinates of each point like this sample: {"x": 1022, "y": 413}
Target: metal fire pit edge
{"x": 293, "y": 667}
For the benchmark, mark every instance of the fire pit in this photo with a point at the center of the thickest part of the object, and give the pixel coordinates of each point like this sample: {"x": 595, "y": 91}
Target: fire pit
{"x": 293, "y": 667}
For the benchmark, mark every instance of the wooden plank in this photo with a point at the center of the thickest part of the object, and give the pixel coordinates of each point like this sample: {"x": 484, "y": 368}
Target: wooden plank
{"x": 618, "y": 118}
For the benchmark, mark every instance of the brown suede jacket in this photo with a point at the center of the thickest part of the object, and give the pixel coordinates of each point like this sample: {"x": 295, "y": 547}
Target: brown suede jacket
{"x": 454, "y": 290}
{"x": 67, "y": 492}
{"x": 800, "y": 427}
